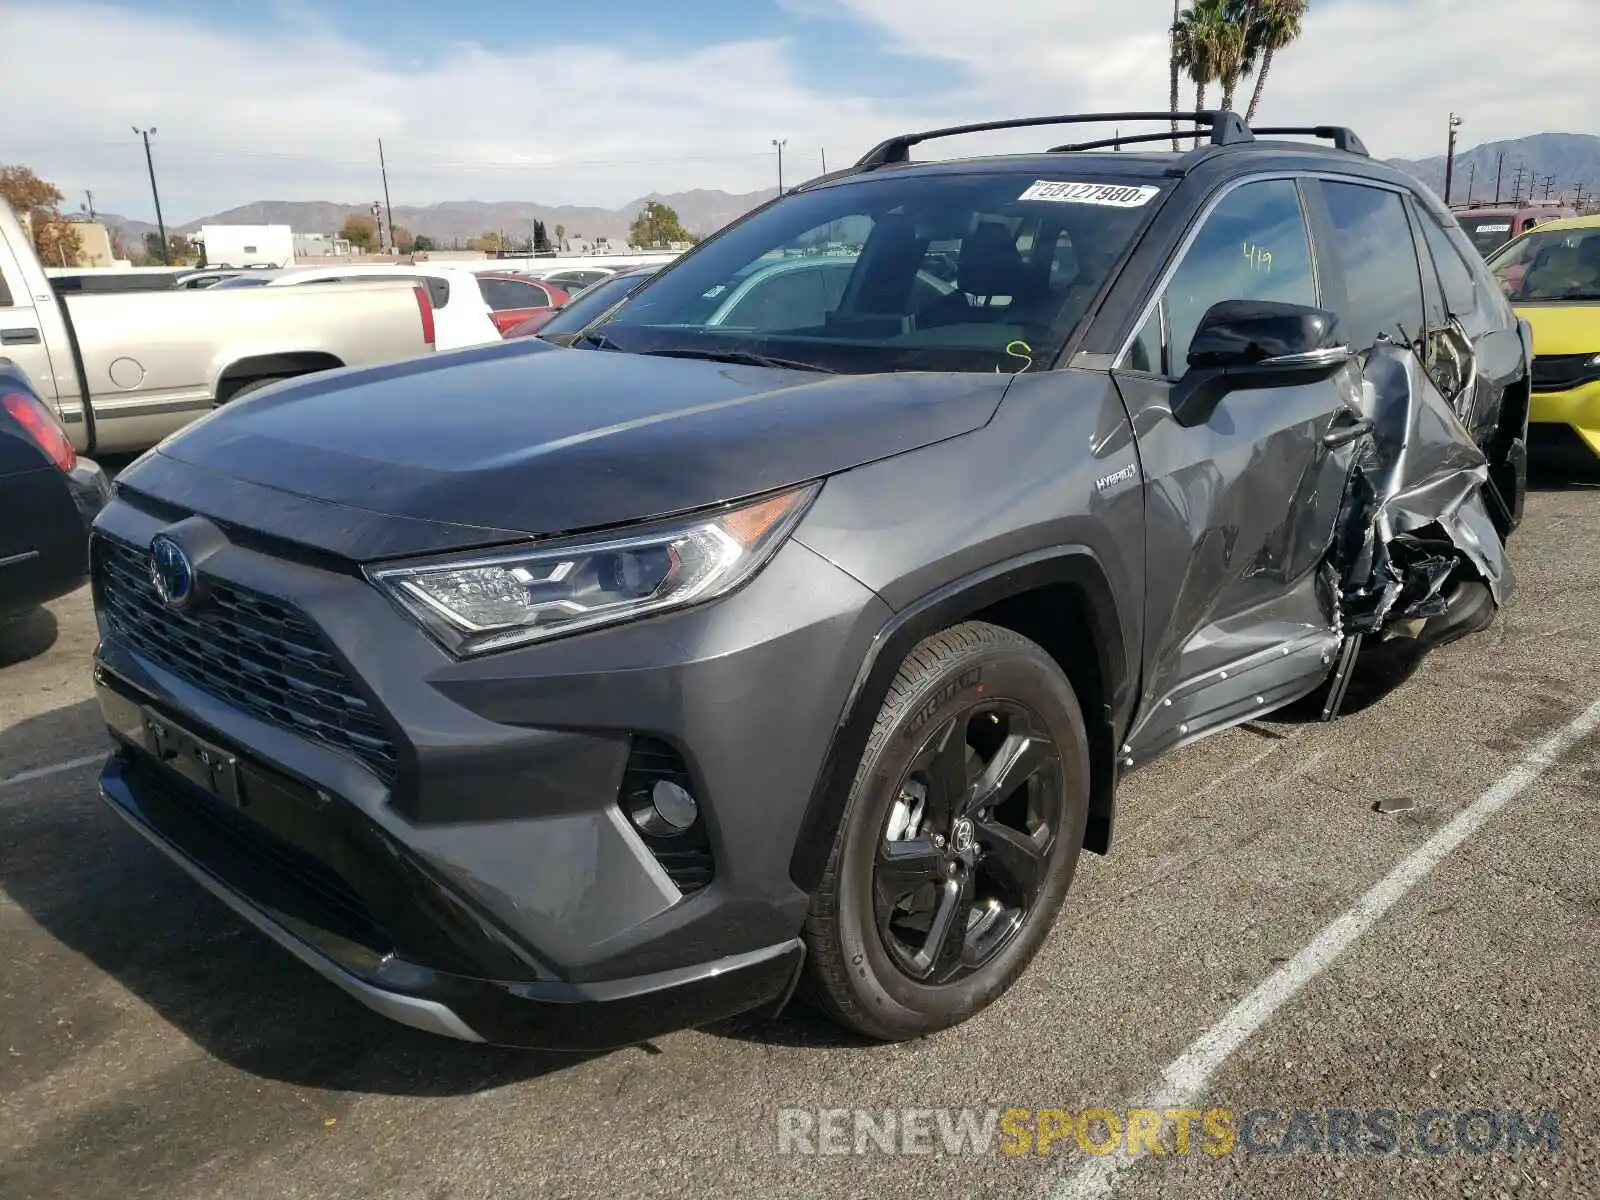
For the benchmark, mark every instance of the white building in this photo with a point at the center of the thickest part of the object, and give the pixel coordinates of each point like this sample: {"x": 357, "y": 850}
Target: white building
{"x": 247, "y": 245}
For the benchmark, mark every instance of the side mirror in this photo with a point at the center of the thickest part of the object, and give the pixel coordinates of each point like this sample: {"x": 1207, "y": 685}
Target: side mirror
{"x": 1255, "y": 344}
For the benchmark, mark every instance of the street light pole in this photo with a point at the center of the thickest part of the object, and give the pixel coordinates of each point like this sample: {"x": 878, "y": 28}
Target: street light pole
{"x": 1450, "y": 157}
{"x": 166, "y": 254}
{"x": 779, "y": 145}
{"x": 1472, "y": 177}
{"x": 383, "y": 170}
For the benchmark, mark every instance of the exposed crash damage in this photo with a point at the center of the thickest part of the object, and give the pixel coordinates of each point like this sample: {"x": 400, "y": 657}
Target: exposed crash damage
{"x": 1417, "y": 560}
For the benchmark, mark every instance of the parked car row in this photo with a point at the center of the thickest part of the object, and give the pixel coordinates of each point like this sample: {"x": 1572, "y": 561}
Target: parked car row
{"x": 794, "y": 611}
{"x": 124, "y": 370}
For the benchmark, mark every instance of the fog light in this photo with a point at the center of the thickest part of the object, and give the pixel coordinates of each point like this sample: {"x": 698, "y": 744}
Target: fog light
{"x": 671, "y": 809}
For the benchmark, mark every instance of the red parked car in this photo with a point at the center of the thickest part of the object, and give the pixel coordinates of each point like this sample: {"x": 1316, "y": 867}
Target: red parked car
{"x": 514, "y": 299}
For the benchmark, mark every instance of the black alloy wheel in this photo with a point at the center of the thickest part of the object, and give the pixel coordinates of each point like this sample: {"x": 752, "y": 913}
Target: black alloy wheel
{"x": 967, "y": 841}
{"x": 959, "y": 838}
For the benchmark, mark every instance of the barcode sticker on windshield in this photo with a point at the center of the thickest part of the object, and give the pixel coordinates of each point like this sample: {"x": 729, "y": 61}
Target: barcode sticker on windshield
{"x": 1108, "y": 195}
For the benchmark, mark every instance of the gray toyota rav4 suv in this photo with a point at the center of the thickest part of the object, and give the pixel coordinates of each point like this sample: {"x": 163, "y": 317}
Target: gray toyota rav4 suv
{"x": 798, "y": 634}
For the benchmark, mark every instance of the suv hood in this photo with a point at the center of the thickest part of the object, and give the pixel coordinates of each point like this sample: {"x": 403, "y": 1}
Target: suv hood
{"x": 529, "y": 439}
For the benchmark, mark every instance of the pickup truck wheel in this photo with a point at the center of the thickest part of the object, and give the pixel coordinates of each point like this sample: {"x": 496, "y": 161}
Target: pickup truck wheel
{"x": 959, "y": 839}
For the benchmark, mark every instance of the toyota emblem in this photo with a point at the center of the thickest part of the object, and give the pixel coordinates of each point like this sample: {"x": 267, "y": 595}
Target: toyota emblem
{"x": 171, "y": 572}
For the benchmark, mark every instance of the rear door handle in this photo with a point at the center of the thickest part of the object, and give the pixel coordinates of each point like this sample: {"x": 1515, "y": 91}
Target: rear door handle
{"x": 19, "y": 337}
{"x": 1346, "y": 429}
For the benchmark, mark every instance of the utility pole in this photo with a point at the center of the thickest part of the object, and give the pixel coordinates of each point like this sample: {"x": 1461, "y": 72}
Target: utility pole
{"x": 1516, "y": 184}
{"x": 1472, "y": 175}
{"x": 1450, "y": 157}
{"x": 779, "y": 145}
{"x": 1549, "y": 182}
{"x": 161, "y": 225}
{"x": 1499, "y": 173}
{"x": 377, "y": 219}
{"x": 388, "y": 212}
{"x": 89, "y": 207}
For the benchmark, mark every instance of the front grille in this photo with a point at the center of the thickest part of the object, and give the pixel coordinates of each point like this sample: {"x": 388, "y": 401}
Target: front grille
{"x": 1562, "y": 372}
{"x": 247, "y": 649}
{"x": 686, "y": 856}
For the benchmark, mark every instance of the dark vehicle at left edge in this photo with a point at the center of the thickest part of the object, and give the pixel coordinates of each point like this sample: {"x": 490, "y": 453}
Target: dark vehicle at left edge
{"x": 48, "y": 496}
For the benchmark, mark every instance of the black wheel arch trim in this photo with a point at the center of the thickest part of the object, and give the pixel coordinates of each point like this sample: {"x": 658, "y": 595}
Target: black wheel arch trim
{"x": 961, "y": 599}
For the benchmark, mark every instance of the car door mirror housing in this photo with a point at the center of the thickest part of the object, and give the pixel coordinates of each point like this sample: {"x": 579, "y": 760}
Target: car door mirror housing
{"x": 1242, "y": 344}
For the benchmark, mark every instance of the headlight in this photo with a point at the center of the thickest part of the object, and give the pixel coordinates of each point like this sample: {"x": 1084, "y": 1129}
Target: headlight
{"x": 488, "y": 602}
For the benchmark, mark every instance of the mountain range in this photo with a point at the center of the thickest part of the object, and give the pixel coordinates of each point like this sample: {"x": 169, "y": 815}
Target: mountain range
{"x": 1565, "y": 160}
{"x": 701, "y": 211}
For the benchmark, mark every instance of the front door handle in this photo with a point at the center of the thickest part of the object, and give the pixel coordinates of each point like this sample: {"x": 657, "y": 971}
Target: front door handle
{"x": 19, "y": 337}
{"x": 1346, "y": 429}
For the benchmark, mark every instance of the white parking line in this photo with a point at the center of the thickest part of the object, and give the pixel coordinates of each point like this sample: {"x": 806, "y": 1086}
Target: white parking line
{"x": 72, "y": 764}
{"x": 1183, "y": 1081}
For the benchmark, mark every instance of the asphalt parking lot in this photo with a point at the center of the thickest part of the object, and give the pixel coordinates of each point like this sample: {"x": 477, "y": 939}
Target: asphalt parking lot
{"x": 153, "y": 1045}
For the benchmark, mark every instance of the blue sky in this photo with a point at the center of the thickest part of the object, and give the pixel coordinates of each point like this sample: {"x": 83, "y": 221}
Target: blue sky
{"x": 601, "y": 102}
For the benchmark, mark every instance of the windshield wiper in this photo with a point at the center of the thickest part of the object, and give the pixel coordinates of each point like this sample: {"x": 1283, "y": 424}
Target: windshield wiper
{"x": 596, "y": 339}
{"x": 746, "y": 357}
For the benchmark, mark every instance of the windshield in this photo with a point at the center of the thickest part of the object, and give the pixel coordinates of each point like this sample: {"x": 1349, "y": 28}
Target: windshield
{"x": 1487, "y": 231}
{"x": 592, "y": 302}
{"x": 1551, "y": 265}
{"x": 942, "y": 273}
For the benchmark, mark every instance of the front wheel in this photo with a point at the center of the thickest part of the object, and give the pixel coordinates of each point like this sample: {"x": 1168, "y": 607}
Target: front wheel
{"x": 959, "y": 839}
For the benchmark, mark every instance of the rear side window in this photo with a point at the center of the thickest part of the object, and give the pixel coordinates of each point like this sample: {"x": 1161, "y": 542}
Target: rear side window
{"x": 438, "y": 290}
{"x": 503, "y": 294}
{"x": 1373, "y": 247}
{"x": 5, "y": 293}
{"x": 1253, "y": 246}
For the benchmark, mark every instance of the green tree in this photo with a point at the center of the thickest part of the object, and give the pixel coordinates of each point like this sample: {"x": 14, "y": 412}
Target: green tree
{"x": 404, "y": 240}
{"x": 180, "y": 250}
{"x": 38, "y": 205}
{"x": 488, "y": 242}
{"x": 1278, "y": 24}
{"x": 656, "y": 225}
{"x": 423, "y": 244}
{"x": 541, "y": 239}
{"x": 561, "y": 237}
{"x": 360, "y": 231}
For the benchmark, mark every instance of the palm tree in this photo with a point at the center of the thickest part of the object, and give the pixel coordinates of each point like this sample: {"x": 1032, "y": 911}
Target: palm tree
{"x": 1176, "y": 68}
{"x": 1200, "y": 41}
{"x": 1277, "y": 24}
{"x": 1237, "y": 49}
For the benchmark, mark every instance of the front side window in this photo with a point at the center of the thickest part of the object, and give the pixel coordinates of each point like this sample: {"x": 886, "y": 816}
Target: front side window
{"x": 1252, "y": 246}
{"x": 1455, "y": 277}
{"x": 1550, "y": 266}
{"x": 1373, "y": 246}
{"x": 931, "y": 272}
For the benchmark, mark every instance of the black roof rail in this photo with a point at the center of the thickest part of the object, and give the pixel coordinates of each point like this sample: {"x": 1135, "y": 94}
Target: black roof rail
{"x": 1342, "y": 138}
{"x": 1227, "y": 129}
{"x": 1122, "y": 140}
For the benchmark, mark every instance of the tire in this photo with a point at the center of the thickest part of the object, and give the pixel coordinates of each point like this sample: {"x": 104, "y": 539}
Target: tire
{"x": 1011, "y": 701}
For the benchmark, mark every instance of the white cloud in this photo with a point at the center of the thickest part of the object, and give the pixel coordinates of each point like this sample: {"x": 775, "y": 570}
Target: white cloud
{"x": 296, "y": 115}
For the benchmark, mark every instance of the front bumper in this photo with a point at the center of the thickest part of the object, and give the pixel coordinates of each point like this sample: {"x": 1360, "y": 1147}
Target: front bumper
{"x": 1577, "y": 408}
{"x": 546, "y": 1014}
{"x": 495, "y": 888}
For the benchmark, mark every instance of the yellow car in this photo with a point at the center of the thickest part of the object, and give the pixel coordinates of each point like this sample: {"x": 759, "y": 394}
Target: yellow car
{"x": 1551, "y": 275}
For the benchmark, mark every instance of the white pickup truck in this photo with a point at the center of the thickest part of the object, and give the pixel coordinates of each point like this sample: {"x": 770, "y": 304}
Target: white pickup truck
{"x": 124, "y": 370}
